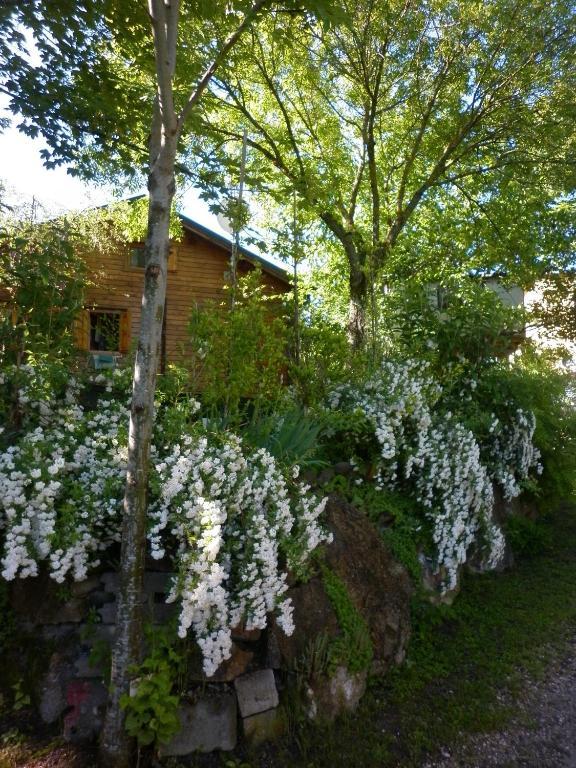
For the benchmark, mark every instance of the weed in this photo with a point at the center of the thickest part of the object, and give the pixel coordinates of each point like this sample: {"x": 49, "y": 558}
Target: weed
{"x": 21, "y": 699}
{"x": 353, "y": 649}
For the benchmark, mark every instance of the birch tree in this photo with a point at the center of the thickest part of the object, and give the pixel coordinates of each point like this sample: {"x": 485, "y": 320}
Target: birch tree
{"x": 95, "y": 59}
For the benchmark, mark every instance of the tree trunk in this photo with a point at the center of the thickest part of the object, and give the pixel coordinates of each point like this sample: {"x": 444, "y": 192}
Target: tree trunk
{"x": 357, "y": 309}
{"x": 115, "y": 745}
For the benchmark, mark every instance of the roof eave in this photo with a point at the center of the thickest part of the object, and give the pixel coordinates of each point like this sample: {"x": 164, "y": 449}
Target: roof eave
{"x": 223, "y": 242}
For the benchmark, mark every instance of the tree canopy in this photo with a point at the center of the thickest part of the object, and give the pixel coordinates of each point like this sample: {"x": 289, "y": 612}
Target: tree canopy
{"x": 427, "y": 137}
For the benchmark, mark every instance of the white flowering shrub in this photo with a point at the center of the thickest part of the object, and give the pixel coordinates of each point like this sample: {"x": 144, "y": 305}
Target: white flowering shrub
{"x": 60, "y": 489}
{"x": 236, "y": 530}
{"x": 510, "y": 452}
{"x": 391, "y": 423}
{"x": 232, "y": 520}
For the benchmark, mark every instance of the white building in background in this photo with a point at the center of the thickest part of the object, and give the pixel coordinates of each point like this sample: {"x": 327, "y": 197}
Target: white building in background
{"x": 540, "y": 336}
{"x": 514, "y": 296}
{"x": 544, "y": 337}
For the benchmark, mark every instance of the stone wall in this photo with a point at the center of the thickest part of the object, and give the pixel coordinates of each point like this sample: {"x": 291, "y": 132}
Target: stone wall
{"x": 244, "y": 698}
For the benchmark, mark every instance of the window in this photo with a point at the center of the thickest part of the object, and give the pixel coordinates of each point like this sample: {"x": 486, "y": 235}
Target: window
{"x": 102, "y": 330}
{"x": 137, "y": 258}
{"x": 105, "y": 331}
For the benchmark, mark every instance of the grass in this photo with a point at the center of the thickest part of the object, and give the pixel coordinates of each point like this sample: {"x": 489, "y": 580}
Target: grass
{"x": 501, "y": 628}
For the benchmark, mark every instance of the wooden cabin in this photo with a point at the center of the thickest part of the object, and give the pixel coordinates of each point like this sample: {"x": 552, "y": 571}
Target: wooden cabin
{"x": 198, "y": 267}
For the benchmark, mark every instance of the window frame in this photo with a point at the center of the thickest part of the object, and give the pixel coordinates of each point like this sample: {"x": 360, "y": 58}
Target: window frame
{"x": 172, "y": 257}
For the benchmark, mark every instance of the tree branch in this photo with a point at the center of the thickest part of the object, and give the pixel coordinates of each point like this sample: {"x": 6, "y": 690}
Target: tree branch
{"x": 220, "y": 57}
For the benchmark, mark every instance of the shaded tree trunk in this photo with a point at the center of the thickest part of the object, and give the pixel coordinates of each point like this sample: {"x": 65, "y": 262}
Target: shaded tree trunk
{"x": 357, "y": 308}
{"x": 115, "y": 745}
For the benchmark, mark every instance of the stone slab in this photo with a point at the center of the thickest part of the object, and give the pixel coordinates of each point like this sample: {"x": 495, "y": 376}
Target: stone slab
{"x": 86, "y": 701}
{"x": 207, "y": 725}
{"x": 256, "y": 692}
{"x": 51, "y": 694}
{"x": 265, "y": 726}
{"x": 154, "y": 582}
{"x": 83, "y": 588}
{"x": 83, "y": 667}
{"x": 107, "y": 613}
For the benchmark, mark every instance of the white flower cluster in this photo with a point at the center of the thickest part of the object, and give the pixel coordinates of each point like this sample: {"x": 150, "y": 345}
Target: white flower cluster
{"x": 59, "y": 491}
{"x": 233, "y": 523}
{"x": 438, "y": 461}
{"x": 231, "y": 519}
{"x": 454, "y": 487}
{"x": 510, "y": 452}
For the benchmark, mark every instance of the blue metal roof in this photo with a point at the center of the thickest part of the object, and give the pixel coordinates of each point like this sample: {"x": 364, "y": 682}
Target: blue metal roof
{"x": 254, "y": 258}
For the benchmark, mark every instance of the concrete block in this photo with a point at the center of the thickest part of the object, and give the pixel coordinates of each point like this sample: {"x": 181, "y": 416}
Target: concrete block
{"x": 83, "y": 667}
{"x": 83, "y": 588}
{"x": 52, "y": 698}
{"x": 86, "y": 701}
{"x": 108, "y": 613}
{"x": 163, "y": 612}
{"x": 158, "y": 583}
{"x": 110, "y": 579}
{"x": 71, "y": 612}
{"x": 265, "y": 726}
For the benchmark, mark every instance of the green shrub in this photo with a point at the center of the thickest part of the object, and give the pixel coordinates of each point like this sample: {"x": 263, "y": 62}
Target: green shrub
{"x": 239, "y": 353}
{"x": 459, "y": 322}
{"x": 534, "y": 383}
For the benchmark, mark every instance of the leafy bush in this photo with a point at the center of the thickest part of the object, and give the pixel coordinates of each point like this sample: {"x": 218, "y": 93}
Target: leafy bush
{"x": 527, "y": 538}
{"x": 459, "y": 322}
{"x": 239, "y": 353}
{"x": 325, "y": 359}
{"x": 530, "y": 389}
{"x": 44, "y": 281}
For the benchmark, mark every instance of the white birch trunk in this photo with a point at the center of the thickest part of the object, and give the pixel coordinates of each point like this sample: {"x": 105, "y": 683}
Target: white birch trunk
{"x": 115, "y": 746}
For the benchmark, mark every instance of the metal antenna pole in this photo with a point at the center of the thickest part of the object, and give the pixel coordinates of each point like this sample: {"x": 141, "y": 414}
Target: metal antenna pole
{"x": 296, "y": 297}
{"x": 236, "y": 227}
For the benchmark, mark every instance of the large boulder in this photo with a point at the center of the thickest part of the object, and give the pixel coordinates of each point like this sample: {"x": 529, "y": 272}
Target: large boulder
{"x": 313, "y": 617}
{"x": 379, "y": 586}
{"x": 328, "y": 697}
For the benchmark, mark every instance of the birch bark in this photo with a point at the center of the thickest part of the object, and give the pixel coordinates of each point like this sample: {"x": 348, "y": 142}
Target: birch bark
{"x": 115, "y": 745}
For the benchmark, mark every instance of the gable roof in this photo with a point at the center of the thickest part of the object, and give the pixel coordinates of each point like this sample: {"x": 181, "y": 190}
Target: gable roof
{"x": 267, "y": 266}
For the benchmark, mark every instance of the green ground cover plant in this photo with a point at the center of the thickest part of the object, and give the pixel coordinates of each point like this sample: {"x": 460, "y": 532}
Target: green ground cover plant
{"x": 353, "y": 649}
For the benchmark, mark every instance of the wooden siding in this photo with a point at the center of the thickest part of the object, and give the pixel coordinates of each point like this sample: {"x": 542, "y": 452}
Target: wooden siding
{"x": 199, "y": 275}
